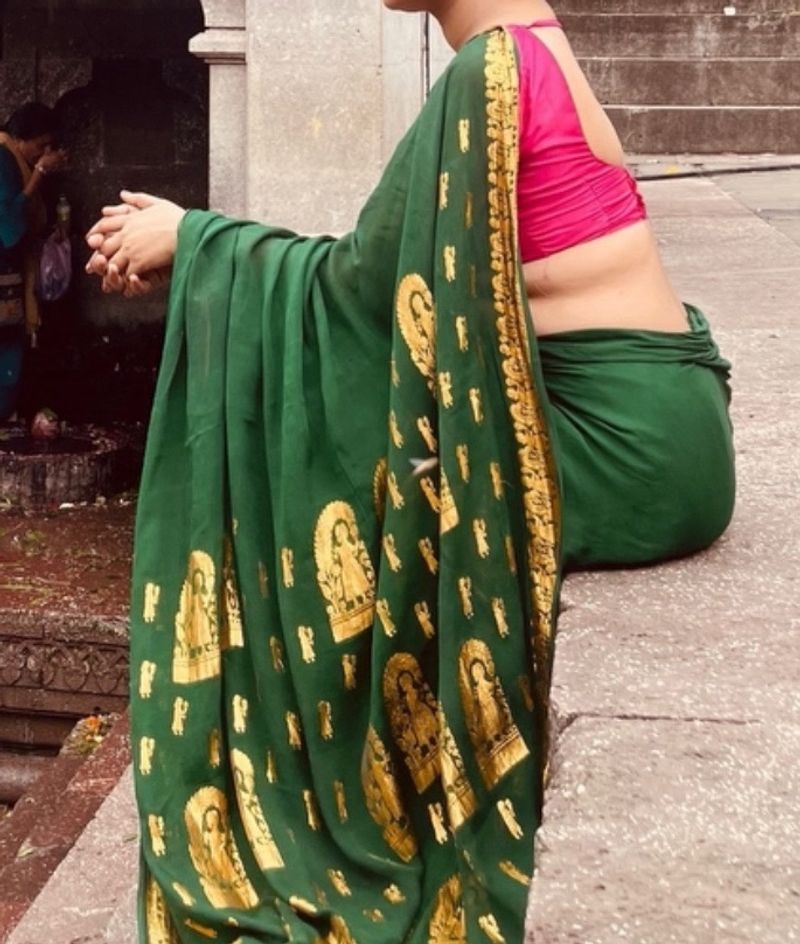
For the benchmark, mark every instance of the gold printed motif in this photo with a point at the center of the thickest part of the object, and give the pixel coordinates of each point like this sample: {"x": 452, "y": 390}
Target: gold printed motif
{"x": 500, "y": 617}
{"x": 214, "y": 748}
{"x": 339, "y": 933}
{"x": 147, "y": 748}
{"x": 458, "y": 793}
{"x": 413, "y": 718}
{"x": 383, "y": 798}
{"x": 196, "y": 654}
{"x": 374, "y": 914}
{"x": 305, "y": 636}
{"x": 436, "y": 814}
{"x": 446, "y": 389}
{"x": 450, "y": 263}
{"x": 152, "y": 594}
{"x": 511, "y": 555}
{"x": 390, "y": 549}
{"x": 429, "y": 490}
{"x": 276, "y": 651}
{"x": 379, "y": 486}
{"x": 463, "y": 135}
{"x": 465, "y": 592}
{"x": 213, "y": 851}
{"x": 476, "y": 402}
{"x": 344, "y": 571}
{"x": 259, "y": 837}
{"x": 184, "y": 894}
{"x": 155, "y": 827}
{"x": 312, "y": 812}
{"x": 448, "y": 924}
{"x": 495, "y": 737}
{"x": 488, "y": 924}
{"x": 385, "y": 616}
{"x": 444, "y": 189}
{"x": 341, "y": 801}
{"x": 541, "y": 500}
{"x": 160, "y": 929}
{"x": 325, "y": 717}
{"x": 449, "y": 517}
{"x": 302, "y": 906}
{"x": 479, "y": 531}
{"x": 497, "y": 479}
{"x": 339, "y": 882}
{"x": 147, "y": 674}
{"x": 416, "y": 316}
{"x": 394, "y": 431}
{"x": 240, "y": 708}
{"x": 395, "y": 374}
{"x": 287, "y": 567}
{"x": 349, "y": 670}
{"x": 462, "y": 455}
{"x": 429, "y": 555}
{"x": 507, "y": 813}
{"x": 294, "y": 730}
{"x": 426, "y": 431}
{"x": 527, "y": 693}
{"x": 508, "y": 868}
{"x": 469, "y": 211}
{"x": 393, "y": 895}
{"x": 394, "y": 492}
{"x": 263, "y": 580}
{"x": 462, "y": 334}
{"x": 200, "y": 929}
{"x": 423, "y": 614}
{"x": 271, "y": 769}
{"x": 231, "y": 609}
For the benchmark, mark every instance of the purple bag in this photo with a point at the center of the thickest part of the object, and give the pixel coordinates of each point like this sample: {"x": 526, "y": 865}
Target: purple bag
{"x": 55, "y": 268}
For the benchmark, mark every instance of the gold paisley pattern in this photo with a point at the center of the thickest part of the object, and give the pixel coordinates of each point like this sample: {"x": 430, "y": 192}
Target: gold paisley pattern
{"x": 231, "y": 609}
{"x": 448, "y": 924}
{"x": 459, "y": 795}
{"x": 159, "y": 926}
{"x": 258, "y": 832}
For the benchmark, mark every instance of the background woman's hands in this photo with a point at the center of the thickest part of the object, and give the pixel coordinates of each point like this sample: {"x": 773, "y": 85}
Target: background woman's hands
{"x": 52, "y": 159}
{"x": 134, "y": 243}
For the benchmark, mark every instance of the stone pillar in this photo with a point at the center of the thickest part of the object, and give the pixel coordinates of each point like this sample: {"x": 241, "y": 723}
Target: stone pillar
{"x": 331, "y": 86}
{"x": 223, "y": 46}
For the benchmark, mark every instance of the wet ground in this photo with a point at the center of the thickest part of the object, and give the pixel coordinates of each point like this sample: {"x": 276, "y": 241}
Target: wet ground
{"x": 71, "y": 561}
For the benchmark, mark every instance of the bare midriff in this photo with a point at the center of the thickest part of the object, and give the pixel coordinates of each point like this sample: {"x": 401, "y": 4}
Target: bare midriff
{"x": 615, "y": 281}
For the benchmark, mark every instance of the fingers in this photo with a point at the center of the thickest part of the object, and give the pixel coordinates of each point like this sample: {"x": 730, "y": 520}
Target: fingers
{"x": 106, "y": 225}
{"x": 119, "y": 209}
{"x": 138, "y": 200}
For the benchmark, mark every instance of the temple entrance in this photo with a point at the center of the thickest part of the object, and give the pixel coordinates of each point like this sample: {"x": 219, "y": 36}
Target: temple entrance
{"x": 133, "y": 105}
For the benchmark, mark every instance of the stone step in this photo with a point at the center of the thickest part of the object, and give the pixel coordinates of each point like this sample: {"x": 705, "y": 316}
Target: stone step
{"x": 662, "y": 129}
{"x": 701, "y": 36}
{"x": 677, "y": 7}
{"x": 707, "y": 82}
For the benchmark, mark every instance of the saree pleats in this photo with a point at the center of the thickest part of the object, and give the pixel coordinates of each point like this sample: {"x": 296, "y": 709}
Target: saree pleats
{"x": 347, "y": 560}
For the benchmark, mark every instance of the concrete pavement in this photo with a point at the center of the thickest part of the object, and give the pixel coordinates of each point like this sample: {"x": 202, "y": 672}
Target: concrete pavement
{"x": 673, "y": 807}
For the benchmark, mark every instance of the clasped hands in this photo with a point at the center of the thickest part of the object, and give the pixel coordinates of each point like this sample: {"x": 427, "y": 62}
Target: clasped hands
{"x": 134, "y": 243}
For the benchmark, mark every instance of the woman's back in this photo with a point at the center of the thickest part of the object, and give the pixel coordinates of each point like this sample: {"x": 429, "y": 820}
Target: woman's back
{"x": 590, "y": 257}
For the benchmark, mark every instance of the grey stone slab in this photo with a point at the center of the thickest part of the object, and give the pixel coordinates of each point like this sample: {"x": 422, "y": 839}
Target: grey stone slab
{"x": 84, "y": 894}
{"x": 696, "y": 197}
{"x": 766, "y": 361}
{"x": 660, "y": 832}
{"x": 776, "y": 190}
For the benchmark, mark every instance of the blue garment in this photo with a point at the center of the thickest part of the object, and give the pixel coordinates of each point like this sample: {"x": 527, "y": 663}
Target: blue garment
{"x": 13, "y": 224}
{"x": 12, "y": 349}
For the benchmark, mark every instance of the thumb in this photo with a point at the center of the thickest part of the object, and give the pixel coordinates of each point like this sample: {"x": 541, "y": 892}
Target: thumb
{"x": 138, "y": 200}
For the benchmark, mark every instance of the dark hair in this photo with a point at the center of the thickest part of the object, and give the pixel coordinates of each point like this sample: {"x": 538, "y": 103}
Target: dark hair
{"x": 32, "y": 121}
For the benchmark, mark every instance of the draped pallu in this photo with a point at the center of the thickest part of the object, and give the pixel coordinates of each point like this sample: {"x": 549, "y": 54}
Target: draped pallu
{"x": 346, "y": 561}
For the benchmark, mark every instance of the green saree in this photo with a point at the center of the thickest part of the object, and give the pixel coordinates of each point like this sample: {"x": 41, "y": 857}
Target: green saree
{"x": 347, "y": 561}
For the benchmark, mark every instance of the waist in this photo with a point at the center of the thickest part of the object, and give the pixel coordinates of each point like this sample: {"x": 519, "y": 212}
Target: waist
{"x": 615, "y": 281}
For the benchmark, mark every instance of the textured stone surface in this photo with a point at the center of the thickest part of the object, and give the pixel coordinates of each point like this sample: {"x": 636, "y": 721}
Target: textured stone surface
{"x": 671, "y": 814}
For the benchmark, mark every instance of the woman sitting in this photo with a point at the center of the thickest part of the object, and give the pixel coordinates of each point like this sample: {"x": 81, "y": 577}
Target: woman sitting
{"x": 368, "y": 461}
